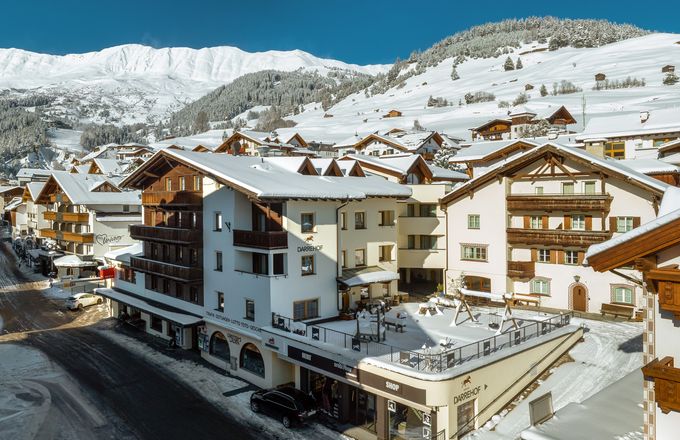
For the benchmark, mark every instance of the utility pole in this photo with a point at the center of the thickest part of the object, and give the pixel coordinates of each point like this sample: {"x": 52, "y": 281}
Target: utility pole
{"x": 583, "y": 109}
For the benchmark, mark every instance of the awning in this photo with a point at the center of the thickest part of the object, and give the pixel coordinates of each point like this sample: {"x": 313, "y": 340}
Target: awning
{"x": 73, "y": 261}
{"x": 169, "y": 313}
{"x": 367, "y": 275}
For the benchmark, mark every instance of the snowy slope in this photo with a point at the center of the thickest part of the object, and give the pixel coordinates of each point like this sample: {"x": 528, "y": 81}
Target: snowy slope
{"x": 640, "y": 57}
{"x": 134, "y": 82}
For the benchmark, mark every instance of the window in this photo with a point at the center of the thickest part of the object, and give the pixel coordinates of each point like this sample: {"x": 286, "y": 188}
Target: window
{"x": 622, "y": 294}
{"x": 543, "y": 255}
{"x": 360, "y": 257}
{"x": 570, "y": 257}
{"x": 197, "y": 183}
{"x": 182, "y": 183}
{"x": 279, "y": 264}
{"x": 307, "y": 222}
{"x": 218, "y": 261}
{"x": 251, "y": 360}
{"x": 578, "y": 222}
{"x": 412, "y": 179}
{"x": 343, "y": 258}
{"x": 589, "y": 187}
{"x": 193, "y": 294}
{"x": 307, "y": 309}
{"x": 568, "y": 188}
{"x": 154, "y": 283}
{"x": 156, "y": 323}
{"x": 473, "y": 252}
{"x": 179, "y": 291}
{"x": 540, "y": 286}
{"x": 535, "y": 222}
{"x": 343, "y": 221}
{"x": 250, "y": 310}
{"x": 307, "y": 265}
{"x": 411, "y": 210}
{"x": 260, "y": 264}
{"x": 386, "y": 218}
{"x": 411, "y": 242}
{"x": 126, "y": 208}
{"x": 168, "y": 184}
{"x": 428, "y": 210}
{"x": 218, "y": 222}
{"x": 538, "y": 190}
{"x": 624, "y": 224}
{"x": 473, "y": 221}
{"x": 385, "y": 253}
{"x": 616, "y": 150}
{"x": 220, "y": 301}
{"x": 428, "y": 242}
{"x": 219, "y": 347}
{"x": 359, "y": 220}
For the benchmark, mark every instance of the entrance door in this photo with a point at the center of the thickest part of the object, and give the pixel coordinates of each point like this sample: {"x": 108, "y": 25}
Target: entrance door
{"x": 579, "y": 298}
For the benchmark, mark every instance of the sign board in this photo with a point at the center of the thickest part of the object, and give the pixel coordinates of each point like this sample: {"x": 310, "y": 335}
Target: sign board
{"x": 392, "y": 406}
{"x": 427, "y": 419}
{"x": 315, "y": 333}
{"x": 404, "y": 357}
{"x": 541, "y": 409}
{"x": 323, "y": 363}
{"x": 356, "y": 344}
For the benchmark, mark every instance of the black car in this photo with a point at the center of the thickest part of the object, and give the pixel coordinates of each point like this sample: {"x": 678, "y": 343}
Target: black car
{"x": 287, "y": 404}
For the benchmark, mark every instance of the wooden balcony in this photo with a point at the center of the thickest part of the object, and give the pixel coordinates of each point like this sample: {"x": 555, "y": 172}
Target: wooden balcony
{"x": 261, "y": 240}
{"x": 167, "y": 235}
{"x": 521, "y": 270}
{"x": 84, "y": 238}
{"x": 666, "y": 383}
{"x": 556, "y": 237}
{"x": 69, "y": 217}
{"x": 168, "y": 270}
{"x": 559, "y": 202}
{"x": 667, "y": 286}
{"x": 172, "y": 198}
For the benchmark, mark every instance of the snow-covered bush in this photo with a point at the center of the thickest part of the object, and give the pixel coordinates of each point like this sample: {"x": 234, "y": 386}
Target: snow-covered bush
{"x": 565, "y": 87}
{"x": 522, "y": 98}
{"x": 472, "y": 98}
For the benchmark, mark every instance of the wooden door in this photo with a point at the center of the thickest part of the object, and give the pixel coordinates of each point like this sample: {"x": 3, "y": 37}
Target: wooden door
{"x": 579, "y": 298}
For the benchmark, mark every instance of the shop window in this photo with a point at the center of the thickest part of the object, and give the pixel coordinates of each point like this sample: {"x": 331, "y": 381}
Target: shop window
{"x": 466, "y": 417}
{"x": 219, "y": 347}
{"x": 156, "y": 323}
{"x": 251, "y": 360}
{"x": 405, "y": 422}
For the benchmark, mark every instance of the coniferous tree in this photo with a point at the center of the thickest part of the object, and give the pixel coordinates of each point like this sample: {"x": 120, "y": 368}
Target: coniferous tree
{"x": 454, "y": 73}
{"x": 543, "y": 90}
{"x": 518, "y": 64}
{"x": 508, "y": 65}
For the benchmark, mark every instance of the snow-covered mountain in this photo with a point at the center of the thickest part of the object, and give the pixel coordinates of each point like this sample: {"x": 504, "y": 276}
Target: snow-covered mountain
{"x": 640, "y": 58}
{"x": 135, "y": 83}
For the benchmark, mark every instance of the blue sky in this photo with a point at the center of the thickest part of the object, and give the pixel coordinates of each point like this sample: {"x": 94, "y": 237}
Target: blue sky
{"x": 360, "y": 32}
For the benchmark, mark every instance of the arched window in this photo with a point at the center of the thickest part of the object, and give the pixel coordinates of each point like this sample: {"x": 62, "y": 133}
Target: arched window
{"x": 219, "y": 347}
{"x": 623, "y": 294}
{"x": 251, "y": 360}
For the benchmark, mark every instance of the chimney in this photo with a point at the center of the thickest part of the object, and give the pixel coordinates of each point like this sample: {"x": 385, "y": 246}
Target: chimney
{"x": 644, "y": 116}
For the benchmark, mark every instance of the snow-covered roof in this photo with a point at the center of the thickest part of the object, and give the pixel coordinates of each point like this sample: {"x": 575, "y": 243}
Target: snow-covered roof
{"x": 5, "y": 188}
{"x": 411, "y": 139}
{"x": 630, "y": 124}
{"x": 399, "y": 163}
{"x": 322, "y": 164}
{"x": 81, "y": 169}
{"x": 349, "y": 142}
{"x": 171, "y": 314}
{"x": 72, "y": 261}
{"x": 34, "y": 189}
{"x": 123, "y": 254}
{"x": 480, "y": 150}
{"x": 440, "y": 173}
{"x": 78, "y": 188}
{"x": 109, "y": 166}
{"x": 260, "y": 178}
{"x": 13, "y": 204}
{"x": 669, "y": 211}
{"x": 367, "y": 275}
{"x": 650, "y": 166}
{"x": 30, "y": 172}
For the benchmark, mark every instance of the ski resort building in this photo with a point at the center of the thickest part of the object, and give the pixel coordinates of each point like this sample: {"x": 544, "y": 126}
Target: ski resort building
{"x": 420, "y": 222}
{"x": 28, "y": 218}
{"x": 424, "y": 143}
{"x": 654, "y": 250}
{"x": 520, "y": 121}
{"x": 256, "y": 143}
{"x": 523, "y": 227}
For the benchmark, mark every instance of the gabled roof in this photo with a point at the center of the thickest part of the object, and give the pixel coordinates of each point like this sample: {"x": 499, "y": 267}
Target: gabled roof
{"x": 81, "y": 169}
{"x": 400, "y": 165}
{"x": 669, "y": 146}
{"x": 80, "y": 190}
{"x": 490, "y": 123}
{"x": 327, "y": 167}
{"x": 9, "y": 188}
{"x": 260, "y": 179}
{"x": 294, "y": 164}
{"x": 32, "y": 190}
{"x": 630, "y": 124}
{"x": 484, "y": 151}
{"x": 650, "y": 166}
{"x": 13, "y": 204}
{"x": 31, "y": 173}
{"x": 383, "y": 140}
{"x": 106, "y": 166}
{"x": 608, "y": 166}
{"x": 350, "y": 168}
{"x": 656, "y": 235}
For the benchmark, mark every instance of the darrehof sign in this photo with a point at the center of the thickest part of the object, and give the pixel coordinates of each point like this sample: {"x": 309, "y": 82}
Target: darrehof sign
{"x": 310, "y": 248}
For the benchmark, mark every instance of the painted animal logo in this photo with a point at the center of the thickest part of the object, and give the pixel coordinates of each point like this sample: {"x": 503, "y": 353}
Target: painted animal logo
{"x": 467, "y": 381}
{"x": 309, "y": 239}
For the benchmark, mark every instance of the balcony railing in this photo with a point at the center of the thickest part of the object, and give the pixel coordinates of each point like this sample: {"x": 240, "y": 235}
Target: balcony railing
{"x": 667, "y": 286}
{"x": 261, "y": 240}
{"x": 559, "y": 202}
{"x": 666, "y": 383}
{"x": 85, "y": 238}
{"x": 521, "y": 270}
{"x": 69, "y": 217}
{"x": 167, "y": 270}
{"x": 169, "y": 235}
{"x": 176, "y": 198}
{"x": 556, "y": 237}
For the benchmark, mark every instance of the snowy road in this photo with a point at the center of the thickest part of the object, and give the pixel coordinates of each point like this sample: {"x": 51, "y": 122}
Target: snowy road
{"x": 60, "y": 379}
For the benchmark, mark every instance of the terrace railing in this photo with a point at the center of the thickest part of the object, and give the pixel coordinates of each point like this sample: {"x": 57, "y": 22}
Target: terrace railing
{"x": 433, "y": 359}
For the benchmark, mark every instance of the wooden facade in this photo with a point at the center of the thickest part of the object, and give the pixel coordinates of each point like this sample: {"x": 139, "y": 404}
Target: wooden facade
{"x": 492, "y": 130}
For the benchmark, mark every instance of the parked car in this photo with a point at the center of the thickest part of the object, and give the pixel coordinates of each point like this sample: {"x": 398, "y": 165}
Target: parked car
{"x": 80, "y": 300}
{"x": 287, "y": 404}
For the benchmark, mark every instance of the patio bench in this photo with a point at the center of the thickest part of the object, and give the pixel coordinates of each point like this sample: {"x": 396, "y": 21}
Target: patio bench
{"x": 615, "y": 310}
{"x": 397, "y": 326}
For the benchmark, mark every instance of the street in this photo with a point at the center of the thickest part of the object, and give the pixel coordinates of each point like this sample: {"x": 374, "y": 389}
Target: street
{"x": 60, "y": 379}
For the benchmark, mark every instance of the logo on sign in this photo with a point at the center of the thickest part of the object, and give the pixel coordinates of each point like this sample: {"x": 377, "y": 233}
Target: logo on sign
{"x": 392, "y": 386}
{"x": 392, "y": 406}
{"x": 427, "y": 419}
{"x": 467, "y": 381}
{"x": 104, "y": 239}
{"x": 356, "y": 344}
{"x": 310, "y": 248}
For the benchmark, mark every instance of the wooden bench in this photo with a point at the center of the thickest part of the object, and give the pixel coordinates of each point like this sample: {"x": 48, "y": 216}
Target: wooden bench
{"x": 529, "y": 300}
{"x": 398, "y": 326}
{"x": 622, "y": 310}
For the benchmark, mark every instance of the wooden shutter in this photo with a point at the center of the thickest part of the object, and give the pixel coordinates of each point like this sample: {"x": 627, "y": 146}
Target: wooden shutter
{"x": 534, "y": 254}
{"x": 567, "y": 222}
{"x": 526, "y": 222}
{"x": 636, "y": 222}
{"x": 553, "y": 256}
{"x": 612, "y": 224}
{"x": 589, "y": 223}
{"x": 560, "y": 257}
{"x": 544, "y": 222}
{"x": 580, "y": 257}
